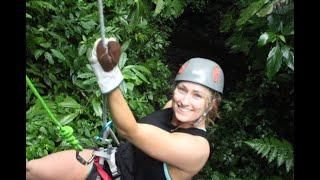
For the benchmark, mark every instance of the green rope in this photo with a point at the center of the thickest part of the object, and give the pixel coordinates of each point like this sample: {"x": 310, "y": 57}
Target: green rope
{"x": 65, "y": 131}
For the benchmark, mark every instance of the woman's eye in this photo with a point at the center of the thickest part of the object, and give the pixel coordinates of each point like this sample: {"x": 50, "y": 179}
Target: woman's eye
{"x": 198, "y": 96}
{"x": 181, "y": 89}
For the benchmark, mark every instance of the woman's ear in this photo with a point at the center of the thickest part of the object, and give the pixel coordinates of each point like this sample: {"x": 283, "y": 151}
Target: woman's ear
{"x": 213, "y": 104}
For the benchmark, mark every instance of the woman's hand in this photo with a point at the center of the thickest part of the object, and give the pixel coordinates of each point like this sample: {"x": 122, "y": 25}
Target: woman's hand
{"x": 106, "y": 59}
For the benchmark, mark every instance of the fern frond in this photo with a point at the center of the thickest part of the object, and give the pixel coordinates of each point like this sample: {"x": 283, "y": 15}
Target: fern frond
{"x": 274, "y": 149}
{"x": 40, "y": 5}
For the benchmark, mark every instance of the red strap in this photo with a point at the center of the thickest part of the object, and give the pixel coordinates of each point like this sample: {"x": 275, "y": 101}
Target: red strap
{"x": 100, "y": 170}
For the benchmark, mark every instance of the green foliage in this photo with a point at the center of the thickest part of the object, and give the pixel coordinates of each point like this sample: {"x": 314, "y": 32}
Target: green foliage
{"x": 60, "y": 35}
{"x": 272, "y": 17}
{"x": 274, "y": 149}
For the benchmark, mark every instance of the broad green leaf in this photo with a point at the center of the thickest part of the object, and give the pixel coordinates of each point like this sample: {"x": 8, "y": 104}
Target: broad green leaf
{"x": 123, "y": 59}
{"x": 265, "y": 151}
{"x": 288, "y": 57}
{"x": 125, "y": 45}
{"x": 143, "y": 69}
{"x": 48, "y": 57}
{"x": 272, "y": 155}
{"x": 280, "y": 159}
{"x": 52, "y": 77}
{"x": 130, "y": 86}
{"x": 265, "y": 10}
{"x": 43, "y": 130}
{"x": 140, "y": 75}
{"x": 290, "y": 61}
{"x": 45, "y": 44}
{"x": 28, "y": 16}
{"x": 88, "y": 24}
{"x": 82, "y": 49}
{"x": 159, "y": 6}
{"x": 57, "y": 54}
{"x": 68, "y": 118}
{"x": 265, "y": 38}
{"x": 37, "y": 53}
{"x": 97, "y": 108}
{"x": 90, "y": 81}
{"x": 282, "y": 38}
{"x": 69, "y": 102}
{"x": 274, "y": 61}
{"x": 251, "y": 10}
{"x": 289, "y": 164}
{"x": 285, "y": 51}
{"x": 85, "y": 75}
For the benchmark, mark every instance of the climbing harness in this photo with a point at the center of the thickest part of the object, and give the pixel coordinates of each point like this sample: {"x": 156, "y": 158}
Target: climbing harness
{"x": 66, "y": 132}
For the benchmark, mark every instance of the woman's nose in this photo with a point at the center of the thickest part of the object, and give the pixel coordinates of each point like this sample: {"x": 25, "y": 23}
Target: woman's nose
{"x": 185, "y": 99}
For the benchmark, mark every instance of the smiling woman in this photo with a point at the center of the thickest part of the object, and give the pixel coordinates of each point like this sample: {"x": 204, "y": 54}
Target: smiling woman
{"x": 161, "y": 145}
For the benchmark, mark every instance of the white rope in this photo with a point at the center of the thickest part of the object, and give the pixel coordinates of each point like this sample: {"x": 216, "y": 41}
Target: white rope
{"x": 102, "y": 31}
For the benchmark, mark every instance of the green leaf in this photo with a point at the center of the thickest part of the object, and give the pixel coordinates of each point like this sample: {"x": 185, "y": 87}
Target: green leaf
{"x": 28, "y": 16}
{"x": 251, "y": 10}
{"x": 130, "y": 86}
{"x": 85, "y": 75}
{"x": 48, "y": 57}
{"x": 265, "y": 10}
{"x": 289, "y": 164}
{"x": 97, "y": 108}
{"x": 45, "y": 44}
{"x": 82, "y": 49}
{"x": 69, "y": 102}
{"x": 280, "y": 159}
{"x": 125, "y": 45}
{"x": 140, "y": 75}
{"x": 37, "y": 53}
{"x": 290, "y": 61}
{"x": 265, "y": 38}
{"x": 282, "y": 38}
{"x": 123, "y": 59}
{"x": 274, "y": 61}
{"x": 159, "y": 6}
{"x": 68, "y": 118}
{"x": 90, "y": 81}
{"x": 143, "y": 69}
{"x": 272, "y": 155}
{"x": 288, "y": 57}
{"x": 57, "y": 54}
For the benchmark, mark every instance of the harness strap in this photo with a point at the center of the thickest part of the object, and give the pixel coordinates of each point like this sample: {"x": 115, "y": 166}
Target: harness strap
{"x": 102, "y": 173}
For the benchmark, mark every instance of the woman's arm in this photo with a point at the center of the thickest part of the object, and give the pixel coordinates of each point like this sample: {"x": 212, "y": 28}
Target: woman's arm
{"x": 186, "y": 152}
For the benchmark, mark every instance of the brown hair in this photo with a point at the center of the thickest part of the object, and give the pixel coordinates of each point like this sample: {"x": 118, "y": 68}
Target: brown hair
{"x": 215, "y": 98}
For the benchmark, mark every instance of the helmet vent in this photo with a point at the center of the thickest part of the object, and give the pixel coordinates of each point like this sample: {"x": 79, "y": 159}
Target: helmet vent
{"x": 216, "y": 74}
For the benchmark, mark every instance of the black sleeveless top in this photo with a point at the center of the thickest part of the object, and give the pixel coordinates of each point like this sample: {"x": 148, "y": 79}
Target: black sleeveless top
{"x": 135, "y": 164}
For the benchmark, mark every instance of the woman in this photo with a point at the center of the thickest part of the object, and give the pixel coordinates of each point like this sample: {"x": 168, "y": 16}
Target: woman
{"x": 167, "y": 144}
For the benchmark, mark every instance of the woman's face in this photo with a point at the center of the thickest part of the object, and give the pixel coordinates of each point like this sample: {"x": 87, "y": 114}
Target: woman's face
{"x": 190, "y": 101}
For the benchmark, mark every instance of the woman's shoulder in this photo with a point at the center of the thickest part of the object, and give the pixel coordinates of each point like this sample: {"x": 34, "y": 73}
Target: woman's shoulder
{"x": 162, "y": 114}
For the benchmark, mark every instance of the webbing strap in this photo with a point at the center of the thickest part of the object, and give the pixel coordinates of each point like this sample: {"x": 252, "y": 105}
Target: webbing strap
{"x": 102, "y": 173}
